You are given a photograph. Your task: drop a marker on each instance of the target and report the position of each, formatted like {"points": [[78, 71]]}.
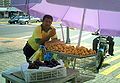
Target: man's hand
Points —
{"points": [[52, 32]]}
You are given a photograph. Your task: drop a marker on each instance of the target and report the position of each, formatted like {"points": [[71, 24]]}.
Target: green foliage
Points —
{"points": [[6, 2]]}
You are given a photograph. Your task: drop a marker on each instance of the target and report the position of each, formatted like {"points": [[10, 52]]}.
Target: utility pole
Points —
{"points": [[27, 8]]}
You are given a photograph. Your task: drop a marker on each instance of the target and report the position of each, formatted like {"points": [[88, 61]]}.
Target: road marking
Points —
{"points": [[3, 22], [118, 76], [112, 59], [8, 38], [60, 29], [110, 69], [24, 37], [86, 37], [83, 38], [76, 36]]}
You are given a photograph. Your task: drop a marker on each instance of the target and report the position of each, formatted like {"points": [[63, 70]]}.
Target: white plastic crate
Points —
{"points": [[43, 73]]}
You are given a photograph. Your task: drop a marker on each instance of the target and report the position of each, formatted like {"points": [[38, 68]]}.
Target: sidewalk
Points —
{"points": [[11, 56], [4, 20]]}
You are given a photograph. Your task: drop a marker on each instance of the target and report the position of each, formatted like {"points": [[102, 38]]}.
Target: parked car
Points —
{"points": [[15, 19], [13, 16], [29, 19]]}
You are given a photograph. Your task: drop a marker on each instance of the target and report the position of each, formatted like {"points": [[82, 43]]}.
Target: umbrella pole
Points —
{"points": [[68, 38], [27, 8], [80, 34], [62, 33], [81, 29]]}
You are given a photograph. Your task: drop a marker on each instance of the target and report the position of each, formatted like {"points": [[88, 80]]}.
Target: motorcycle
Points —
{"points": [[102, 50]]}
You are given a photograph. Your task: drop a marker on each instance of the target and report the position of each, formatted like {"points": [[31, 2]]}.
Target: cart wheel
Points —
{"points": [[99, 59]]}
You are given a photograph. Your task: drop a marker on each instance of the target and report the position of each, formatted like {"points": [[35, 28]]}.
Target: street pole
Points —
{"points": [[27, 8], [68, 37]]}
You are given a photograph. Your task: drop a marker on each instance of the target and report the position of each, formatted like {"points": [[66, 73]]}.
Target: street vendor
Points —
{"points": [[41, 34]]}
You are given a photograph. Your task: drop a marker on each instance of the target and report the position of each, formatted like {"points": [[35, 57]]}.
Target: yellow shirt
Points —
{"points": [[38, 33]]}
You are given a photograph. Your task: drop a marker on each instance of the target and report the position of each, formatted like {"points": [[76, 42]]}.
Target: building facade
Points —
{"points": [[7, 11]]}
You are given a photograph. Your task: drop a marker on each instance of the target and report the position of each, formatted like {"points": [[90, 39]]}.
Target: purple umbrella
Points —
{"points": [[59, 11], [43, 8], [75, 15], [64, 12], [24, 5], [85, 19], [107, 21], [112, 5]]}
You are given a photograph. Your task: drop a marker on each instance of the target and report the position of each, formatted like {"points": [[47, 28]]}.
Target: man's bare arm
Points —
{"points": [[42, 41]]}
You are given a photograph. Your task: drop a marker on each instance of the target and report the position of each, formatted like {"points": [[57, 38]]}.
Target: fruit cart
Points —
{"points": [[73, 53], [63, 55]]}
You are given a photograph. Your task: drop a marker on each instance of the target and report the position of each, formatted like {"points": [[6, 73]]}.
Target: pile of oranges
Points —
{"points": [[60, 46]]}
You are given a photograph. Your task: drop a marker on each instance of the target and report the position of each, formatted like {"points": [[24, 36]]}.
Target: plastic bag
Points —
{"points": [[38, 55]]}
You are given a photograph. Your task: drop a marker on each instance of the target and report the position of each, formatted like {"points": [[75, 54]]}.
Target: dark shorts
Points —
{"points": [[28, 50]]}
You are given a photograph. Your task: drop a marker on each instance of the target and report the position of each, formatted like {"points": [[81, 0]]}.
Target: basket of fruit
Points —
{"points": [[43, 73], [61, 48]]}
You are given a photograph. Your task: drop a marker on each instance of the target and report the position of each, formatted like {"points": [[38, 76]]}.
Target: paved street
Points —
{"points": [[11, 56]]}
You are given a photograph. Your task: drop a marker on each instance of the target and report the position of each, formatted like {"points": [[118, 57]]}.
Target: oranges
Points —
{"points": [[60, 46]]}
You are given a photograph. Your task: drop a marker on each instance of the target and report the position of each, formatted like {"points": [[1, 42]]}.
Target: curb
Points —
{"points": [[3, 22]]}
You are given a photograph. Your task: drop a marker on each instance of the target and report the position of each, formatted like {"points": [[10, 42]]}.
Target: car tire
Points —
{"points": [[10, 23], [37, 21], [15, 22], [26, 22], [20, 23]]}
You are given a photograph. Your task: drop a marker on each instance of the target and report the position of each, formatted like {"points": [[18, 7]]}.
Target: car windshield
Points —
{"points": [[26, 17], [18, 17]]}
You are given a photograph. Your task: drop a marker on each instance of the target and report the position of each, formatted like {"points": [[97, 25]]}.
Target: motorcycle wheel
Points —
{"points": [[99, 59]]}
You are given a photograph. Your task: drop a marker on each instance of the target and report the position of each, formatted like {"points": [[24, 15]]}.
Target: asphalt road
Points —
{"points": [[18, 31], [25, 31], [15, 31]]}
